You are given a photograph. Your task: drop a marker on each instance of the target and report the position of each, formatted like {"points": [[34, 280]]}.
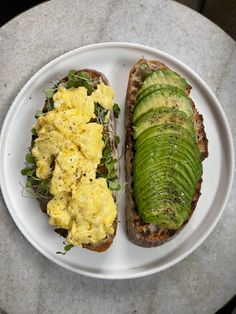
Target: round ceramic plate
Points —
{"points": [[123, 259]]}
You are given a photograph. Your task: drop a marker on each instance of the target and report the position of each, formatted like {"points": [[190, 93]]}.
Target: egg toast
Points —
{"points": [[165, 146], [72, 164]]}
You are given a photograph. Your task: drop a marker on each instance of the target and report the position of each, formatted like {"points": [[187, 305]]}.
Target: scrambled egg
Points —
{"points": [[88, 215], [104, 95], [68, 150]]}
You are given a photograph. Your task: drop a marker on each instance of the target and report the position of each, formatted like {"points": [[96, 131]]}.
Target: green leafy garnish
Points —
{"points": [[84, 75], [110, 163], [117, 139], [114, 185], [41, 187], [49, 92], [112, 174], [33, 131], [49, 104], [27, 172], [100, 113], [29, 158], [116, 110], [38, 114], [66, 249], [82, 78], [107, 166]]}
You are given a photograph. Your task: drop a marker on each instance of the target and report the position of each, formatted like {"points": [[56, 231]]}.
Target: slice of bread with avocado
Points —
{"points": [[165, 146]]}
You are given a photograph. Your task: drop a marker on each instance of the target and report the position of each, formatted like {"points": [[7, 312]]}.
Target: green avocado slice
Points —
{"points": [[173, 165], [171, 97], [169, 141], [173, 186], [153, 151], [148, 91], [175, 132], [166, 213], [164, 76], [172, 194], [193, 167], [156, 117]]}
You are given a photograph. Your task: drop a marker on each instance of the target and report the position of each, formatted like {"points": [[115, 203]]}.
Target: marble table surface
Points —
{"points": [[202, 282]]}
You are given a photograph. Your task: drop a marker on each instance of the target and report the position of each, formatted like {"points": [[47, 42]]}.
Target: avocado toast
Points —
{"points": [[165, 146], [72, 163]]}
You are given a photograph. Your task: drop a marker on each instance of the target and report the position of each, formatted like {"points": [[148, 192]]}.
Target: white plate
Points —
{"points": [[123, 259]]}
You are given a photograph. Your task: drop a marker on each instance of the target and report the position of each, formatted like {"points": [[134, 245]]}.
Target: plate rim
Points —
{"points": [[136, 273]]}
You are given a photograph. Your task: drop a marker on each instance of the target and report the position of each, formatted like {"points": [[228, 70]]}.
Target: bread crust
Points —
{"points": [[141, 233], [110, 127]]}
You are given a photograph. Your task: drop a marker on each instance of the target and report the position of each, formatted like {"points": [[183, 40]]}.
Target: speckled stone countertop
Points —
{"points": [[202, 282]]}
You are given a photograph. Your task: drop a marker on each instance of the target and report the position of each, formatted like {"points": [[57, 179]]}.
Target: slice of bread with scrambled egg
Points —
{"points": [[72, 164]]}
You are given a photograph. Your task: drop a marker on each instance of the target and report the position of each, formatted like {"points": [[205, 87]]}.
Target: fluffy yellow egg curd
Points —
{"points": [[68, 149]]}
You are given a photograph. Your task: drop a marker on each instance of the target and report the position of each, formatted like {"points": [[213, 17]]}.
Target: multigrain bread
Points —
{"points": [[139, 232], [110, 128]]}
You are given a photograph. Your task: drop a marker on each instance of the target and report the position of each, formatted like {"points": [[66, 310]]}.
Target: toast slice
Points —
{"points": [[110, 128], [141, 233]]}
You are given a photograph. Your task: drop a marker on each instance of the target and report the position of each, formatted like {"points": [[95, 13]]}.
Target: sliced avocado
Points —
{"points": [[153, 149], [164, 76], [158, 131], [142, 185], [150, 197], [166, 213], [172, 164], [148, 200], [162, 192], [156, 117], [148, 91], [156, 147], [165, 154], [171, 97], [147, 183], [166, 166], [145, 157], [178, 158], [165, 146], [173, 186], [154, 180], [170, 139]]}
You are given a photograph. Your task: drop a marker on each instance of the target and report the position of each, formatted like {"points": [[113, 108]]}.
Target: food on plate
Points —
{"points": [[72, 164], [165, 146]]}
